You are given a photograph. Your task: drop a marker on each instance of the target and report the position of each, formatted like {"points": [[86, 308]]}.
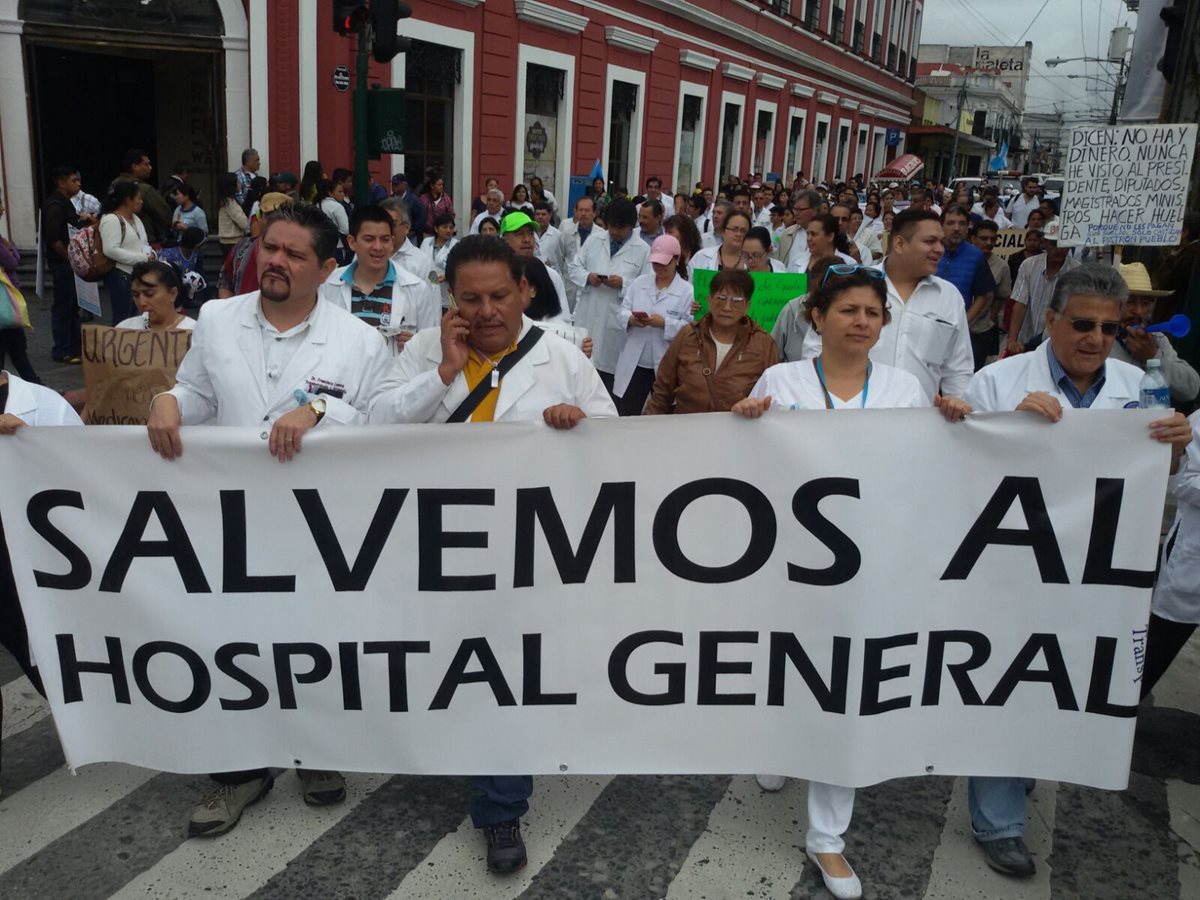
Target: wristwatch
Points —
{"points": [[317, 404]]}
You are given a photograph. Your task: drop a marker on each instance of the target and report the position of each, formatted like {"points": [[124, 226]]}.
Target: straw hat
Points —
{"points": [[1137, 279]]}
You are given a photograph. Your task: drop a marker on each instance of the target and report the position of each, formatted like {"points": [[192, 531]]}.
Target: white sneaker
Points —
{"points": [[771, 783], [846, 887]]}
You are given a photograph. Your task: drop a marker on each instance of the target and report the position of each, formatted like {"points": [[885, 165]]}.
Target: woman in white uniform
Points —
{"points": [[848, 309], [21, 404], [729, 254], [654, 310], [156, 287]]}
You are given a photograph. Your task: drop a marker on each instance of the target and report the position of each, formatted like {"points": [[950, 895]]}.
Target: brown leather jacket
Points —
{"points": [[686, 382]]}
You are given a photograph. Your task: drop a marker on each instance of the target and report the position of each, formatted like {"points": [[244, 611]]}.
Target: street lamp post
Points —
{"points": [[1118, 88]]}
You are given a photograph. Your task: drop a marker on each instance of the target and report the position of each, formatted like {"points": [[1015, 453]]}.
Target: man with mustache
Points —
{"points": [[280, 360]]}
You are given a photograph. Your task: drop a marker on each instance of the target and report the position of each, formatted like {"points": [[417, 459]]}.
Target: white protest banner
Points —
{"points": [[688, 594], [1126, 185]]}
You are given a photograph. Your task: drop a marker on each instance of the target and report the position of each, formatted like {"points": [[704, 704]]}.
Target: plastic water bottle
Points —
{"points": [[1154, 392]]}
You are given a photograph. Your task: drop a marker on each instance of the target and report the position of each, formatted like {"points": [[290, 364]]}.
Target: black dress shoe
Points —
{"points": [[505, 847], [1009, 856]]}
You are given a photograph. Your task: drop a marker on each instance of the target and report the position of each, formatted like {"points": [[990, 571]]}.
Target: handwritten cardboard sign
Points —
{"points": [[123, 369]]}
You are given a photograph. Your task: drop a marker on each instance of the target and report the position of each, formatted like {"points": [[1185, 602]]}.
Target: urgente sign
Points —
{"points": [[699, 618]]}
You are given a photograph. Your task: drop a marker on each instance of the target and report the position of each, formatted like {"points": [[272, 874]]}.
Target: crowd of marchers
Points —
{"points": [[331, 313]]}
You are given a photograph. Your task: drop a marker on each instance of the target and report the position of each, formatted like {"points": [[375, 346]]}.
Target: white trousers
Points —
{"points": [[830, 807]]}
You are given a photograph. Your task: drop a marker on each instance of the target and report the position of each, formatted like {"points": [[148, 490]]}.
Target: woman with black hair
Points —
{"points": [[125, 243], [313, 172], [849, 309], [437, 247], [231, 218], [188, 213], [157, 292], [544, 305], [684, 230]]}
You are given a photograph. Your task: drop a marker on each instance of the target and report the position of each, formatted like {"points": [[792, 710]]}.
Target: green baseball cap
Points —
{"points": [[515, 221]]}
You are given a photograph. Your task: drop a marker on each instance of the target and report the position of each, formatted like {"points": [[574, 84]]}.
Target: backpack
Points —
{"points": [[85, 251]]}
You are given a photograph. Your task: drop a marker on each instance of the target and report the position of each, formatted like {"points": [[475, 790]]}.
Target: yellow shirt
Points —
{"points": [[478, 368]]}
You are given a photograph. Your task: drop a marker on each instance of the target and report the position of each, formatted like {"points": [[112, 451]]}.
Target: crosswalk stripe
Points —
{"points": [[108, 850], [753, 845], [370, 851], [23, 706], [269, 835], [57, 804], [959, 868], [633, 839], [1183, 802], [459, 859], [29, 755]]}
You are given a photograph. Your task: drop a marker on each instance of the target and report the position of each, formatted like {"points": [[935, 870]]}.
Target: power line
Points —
{"points": [[988, 26]]}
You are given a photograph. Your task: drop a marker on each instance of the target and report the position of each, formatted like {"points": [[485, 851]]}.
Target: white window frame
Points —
{"points": [[857, 163], [565, 63], [848, 124], [914, 37], [878, 149], [691, 89], [769, 156], [735, 164], [630, 76], [817, 169], [464, 105], [796, 112]]}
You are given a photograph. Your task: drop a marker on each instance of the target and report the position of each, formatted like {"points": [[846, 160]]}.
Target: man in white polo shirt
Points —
{"points": [[928, 334]]}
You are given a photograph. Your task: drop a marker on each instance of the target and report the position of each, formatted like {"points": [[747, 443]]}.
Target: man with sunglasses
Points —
{"points": [[1070, 370]]}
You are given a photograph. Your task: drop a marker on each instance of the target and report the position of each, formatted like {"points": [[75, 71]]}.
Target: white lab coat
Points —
{"points": [[413, 259], [1177, 593], [553, 372], [547, 246], [674, 304], [414, 302], [1002, 386], [795, 385], [568, 250], [223, 377], [596, 307], [37, 405]]}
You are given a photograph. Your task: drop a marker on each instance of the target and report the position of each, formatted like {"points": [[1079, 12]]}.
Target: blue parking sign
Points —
{"points": [[893, 137]]}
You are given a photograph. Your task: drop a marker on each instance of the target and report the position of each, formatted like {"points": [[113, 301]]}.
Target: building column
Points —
{"points": [[236, 43], [16, 147], [260, 112]]}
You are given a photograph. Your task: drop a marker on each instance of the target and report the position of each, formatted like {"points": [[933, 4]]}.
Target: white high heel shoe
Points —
{"points": [[847, 887]]}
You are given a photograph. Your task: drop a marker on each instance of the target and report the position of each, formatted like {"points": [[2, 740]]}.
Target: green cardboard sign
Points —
{"points": [[772, 291]]}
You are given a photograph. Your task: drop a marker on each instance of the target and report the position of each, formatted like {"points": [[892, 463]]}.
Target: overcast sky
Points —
{"points": [[1064, 28]]}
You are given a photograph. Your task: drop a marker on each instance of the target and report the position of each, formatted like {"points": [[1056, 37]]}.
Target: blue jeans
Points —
{"points": [[997, 807], [498, 798], [64, 313], [120, 295]]}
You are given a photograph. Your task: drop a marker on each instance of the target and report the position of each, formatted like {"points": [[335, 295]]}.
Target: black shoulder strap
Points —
{"points": [[473, 399]]}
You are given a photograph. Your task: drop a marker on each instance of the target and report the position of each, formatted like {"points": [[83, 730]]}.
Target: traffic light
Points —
{"points": [[385, 20], [347, 14]]}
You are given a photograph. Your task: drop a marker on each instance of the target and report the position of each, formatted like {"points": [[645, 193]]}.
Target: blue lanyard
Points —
{"points": [[828, 399]]}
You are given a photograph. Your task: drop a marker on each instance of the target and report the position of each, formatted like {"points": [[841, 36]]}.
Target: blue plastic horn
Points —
{"points": [[1176, 326]]}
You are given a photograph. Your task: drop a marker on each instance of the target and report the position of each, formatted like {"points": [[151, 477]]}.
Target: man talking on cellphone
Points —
{"points": [[489, 363]]}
